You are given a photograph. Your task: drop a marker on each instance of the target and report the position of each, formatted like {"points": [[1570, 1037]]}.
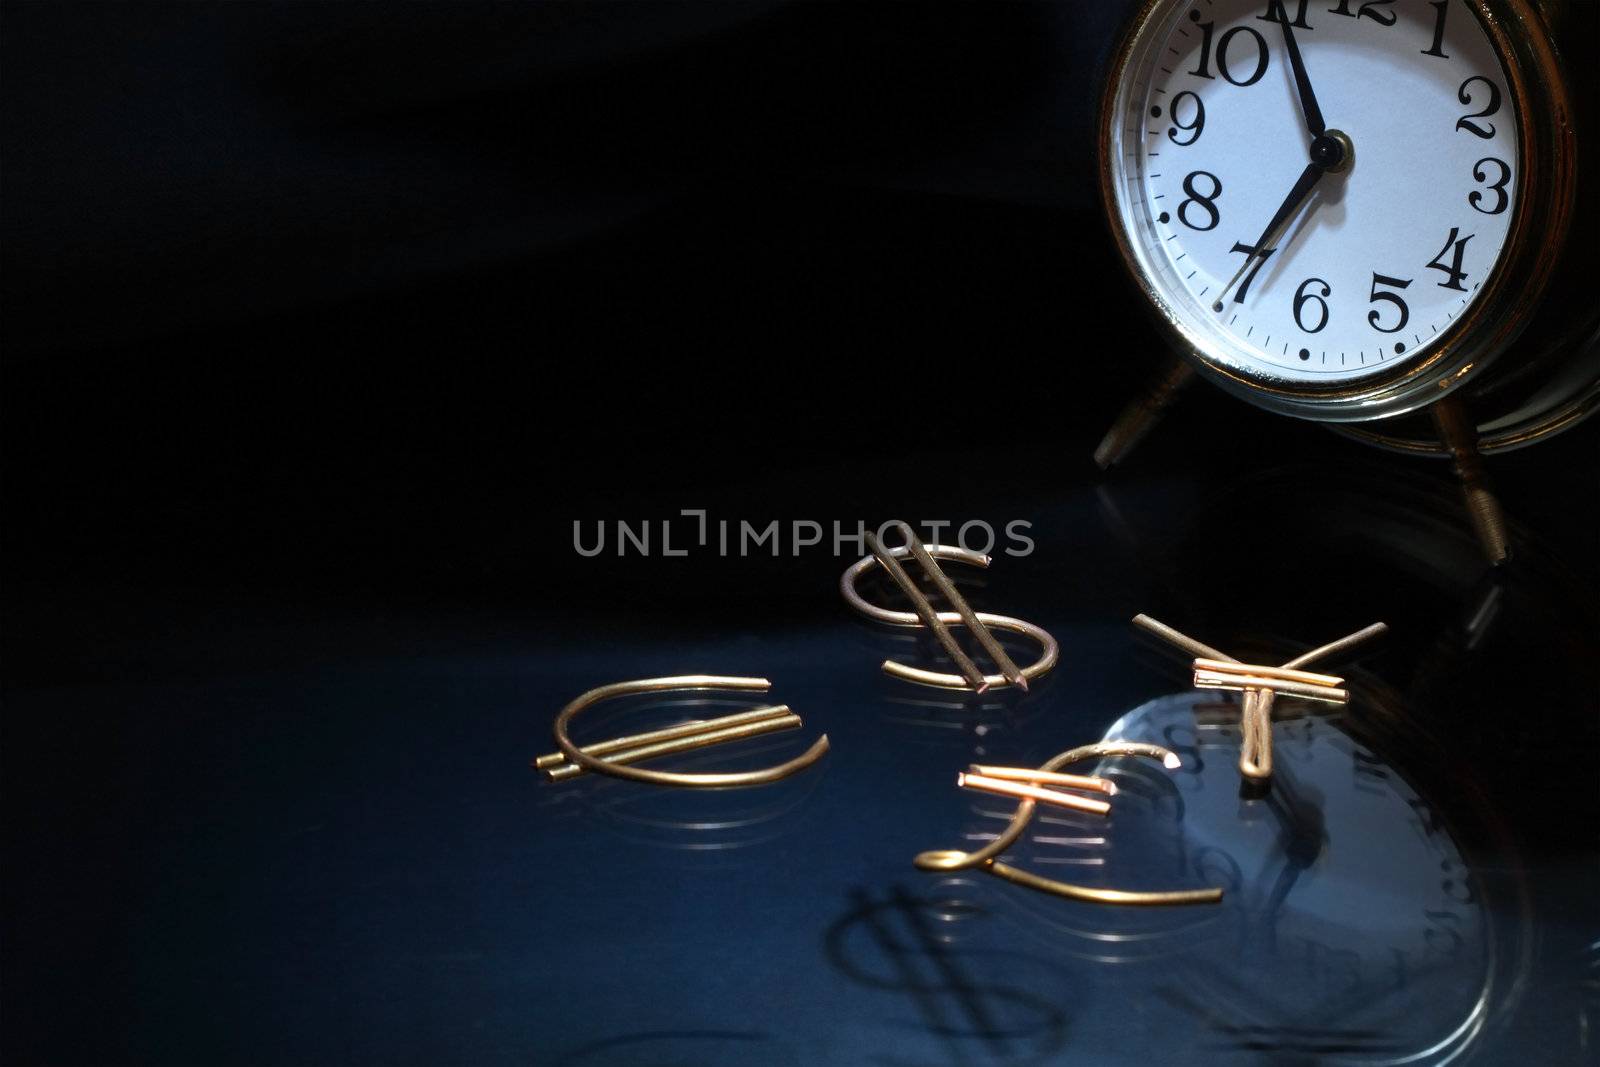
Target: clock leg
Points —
{"points": [[1460, 436], [1138, 417]]}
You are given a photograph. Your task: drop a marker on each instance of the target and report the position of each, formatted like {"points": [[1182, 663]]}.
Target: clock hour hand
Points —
{"points": [[1308, 97], [1291, 203]]}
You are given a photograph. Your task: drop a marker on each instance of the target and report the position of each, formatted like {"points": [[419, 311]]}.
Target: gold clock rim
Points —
{"points": [[1519, 435], [1547, 157]]}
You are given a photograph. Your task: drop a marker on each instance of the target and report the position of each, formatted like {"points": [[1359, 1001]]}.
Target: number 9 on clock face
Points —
{"points": [[1317, 194]]}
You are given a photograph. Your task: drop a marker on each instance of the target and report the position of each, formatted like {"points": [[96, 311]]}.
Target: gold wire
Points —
{"points": [[1255, 726], [577, 756], [1030, 774], [1102, 896], [1263, 714], [1241, 682], [985, 857], [1182, 640], [1049, 650], [1260, 685], [941, 581], [772, 724], [1334, 647], [929, 616], [1002, 787], [1222, 666], [686, 729]]}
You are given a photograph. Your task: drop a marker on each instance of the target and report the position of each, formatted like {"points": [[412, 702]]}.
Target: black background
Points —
{"points": [[324, 323], [309, 296]]}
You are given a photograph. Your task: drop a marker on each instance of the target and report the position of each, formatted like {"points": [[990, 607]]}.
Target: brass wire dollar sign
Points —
{"points": [[981, 623]]}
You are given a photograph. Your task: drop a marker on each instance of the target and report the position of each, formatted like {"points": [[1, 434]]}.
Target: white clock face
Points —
{"points": [[1384, 238]]}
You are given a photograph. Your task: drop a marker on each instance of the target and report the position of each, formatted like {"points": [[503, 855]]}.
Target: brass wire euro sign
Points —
{"points": [[1028, 785], [614, 757], [1261, 685], [939, 622]]}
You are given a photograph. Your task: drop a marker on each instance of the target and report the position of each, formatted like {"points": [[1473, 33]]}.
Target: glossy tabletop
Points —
{"points": [[296, 833]]}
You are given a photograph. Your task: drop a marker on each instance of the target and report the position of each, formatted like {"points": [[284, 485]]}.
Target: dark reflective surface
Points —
{"points": [[318, 839], [322, 325]]}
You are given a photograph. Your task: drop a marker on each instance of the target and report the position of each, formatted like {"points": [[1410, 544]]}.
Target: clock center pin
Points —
{"points": [[1333, 151]]}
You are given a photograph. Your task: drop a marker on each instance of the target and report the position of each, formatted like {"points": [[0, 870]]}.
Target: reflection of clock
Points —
{"points": [[1353, 926], [1348, 211]]}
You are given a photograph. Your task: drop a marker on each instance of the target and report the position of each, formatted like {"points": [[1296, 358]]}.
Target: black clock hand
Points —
{"points": [[1302, 189], [1308, 98]]}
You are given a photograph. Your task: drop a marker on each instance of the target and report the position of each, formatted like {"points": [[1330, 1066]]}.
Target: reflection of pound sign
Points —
{"points": [[978, 622]]}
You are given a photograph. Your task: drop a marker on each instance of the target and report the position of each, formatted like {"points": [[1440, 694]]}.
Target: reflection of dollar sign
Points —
{"points": [[998, 1002], [979, 622]]}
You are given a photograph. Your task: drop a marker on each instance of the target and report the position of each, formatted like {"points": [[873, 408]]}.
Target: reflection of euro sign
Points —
{"points": [[979, 622]]}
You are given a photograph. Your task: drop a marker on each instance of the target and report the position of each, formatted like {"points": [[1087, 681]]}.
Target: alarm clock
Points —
{"points": [[1349, 211]]}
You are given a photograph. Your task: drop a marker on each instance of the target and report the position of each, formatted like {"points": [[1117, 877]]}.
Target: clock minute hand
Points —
{"points": [[1302, 189], [1308, 97]]}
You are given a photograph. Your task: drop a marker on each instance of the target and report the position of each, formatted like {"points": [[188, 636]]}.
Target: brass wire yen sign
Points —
{"points": [[1261, 685]]}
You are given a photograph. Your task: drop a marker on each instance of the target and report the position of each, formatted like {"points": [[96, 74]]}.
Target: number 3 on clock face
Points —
{"points": [[1314, 192]]}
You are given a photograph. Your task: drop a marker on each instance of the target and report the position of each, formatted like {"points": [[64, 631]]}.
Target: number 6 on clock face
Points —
{"points": [[1318, 194]]}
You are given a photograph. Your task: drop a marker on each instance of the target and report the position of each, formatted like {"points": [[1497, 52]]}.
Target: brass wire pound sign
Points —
{"points": [[615, 756], [1029, 786], [979, 622], [1261, 685]]}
